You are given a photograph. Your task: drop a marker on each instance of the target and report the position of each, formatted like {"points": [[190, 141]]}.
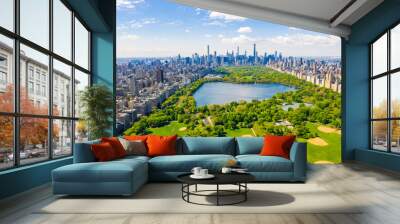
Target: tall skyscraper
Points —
{"points": [[160, 76], [208, 55], [254, 53]]}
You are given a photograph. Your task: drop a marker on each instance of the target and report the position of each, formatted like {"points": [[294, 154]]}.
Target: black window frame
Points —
{"points": [[388, 74], [16, 114]]}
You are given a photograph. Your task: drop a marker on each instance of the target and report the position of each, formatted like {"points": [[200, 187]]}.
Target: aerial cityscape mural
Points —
{"points": [[194, 72]]}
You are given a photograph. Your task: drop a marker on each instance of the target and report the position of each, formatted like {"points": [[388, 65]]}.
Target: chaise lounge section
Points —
{"points": [[125, 176], [88, 177]]}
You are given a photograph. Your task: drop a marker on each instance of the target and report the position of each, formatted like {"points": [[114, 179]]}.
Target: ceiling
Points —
{"points": [[326, 16]]}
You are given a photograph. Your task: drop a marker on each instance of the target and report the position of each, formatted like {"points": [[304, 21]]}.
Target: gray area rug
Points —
{"points": [[166, 198]]}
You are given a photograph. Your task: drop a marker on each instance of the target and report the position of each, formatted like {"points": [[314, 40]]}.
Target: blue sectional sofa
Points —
{"points": [[125, 176]]}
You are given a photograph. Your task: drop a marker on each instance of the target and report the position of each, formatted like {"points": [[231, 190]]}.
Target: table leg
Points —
{"points": [[217, 194], [188, 190], [245, 193], [195, 188], [182, 190]]}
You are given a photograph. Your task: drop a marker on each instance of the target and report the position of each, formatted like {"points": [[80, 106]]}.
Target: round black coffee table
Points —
{"points": [[238, 179]]}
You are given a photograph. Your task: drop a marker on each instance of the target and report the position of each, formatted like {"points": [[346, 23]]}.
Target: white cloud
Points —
{"points": [[225, 17], [293, 28], [241, 39], [122, 27], [149, 21], [198, 11], [187, 31], [220, 35], [215, 23], [305, 40], [129, 37], [207, 35], [175, 23], [128, 4], [245, 29], [136, 24]]}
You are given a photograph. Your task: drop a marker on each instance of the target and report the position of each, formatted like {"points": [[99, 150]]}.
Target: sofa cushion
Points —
{"points": [[116, 145], [161, 145], [134, 147], [277, 145], [103, 152], [257, 163], [207, 145], [249, 145], [83, 152], [136, 137], [112, 171], [185, 163]]}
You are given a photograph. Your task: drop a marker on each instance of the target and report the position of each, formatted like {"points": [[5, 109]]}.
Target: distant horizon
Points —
{"points": [[159, 29], [174, 56]]}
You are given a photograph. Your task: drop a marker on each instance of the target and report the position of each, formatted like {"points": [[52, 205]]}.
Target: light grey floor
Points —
{"points": [[377, 188]]}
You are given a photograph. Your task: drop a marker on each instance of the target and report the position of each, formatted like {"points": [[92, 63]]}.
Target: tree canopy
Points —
{"points": [[313, 104]]}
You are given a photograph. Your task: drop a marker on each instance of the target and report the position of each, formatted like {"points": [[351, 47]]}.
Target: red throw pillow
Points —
{"points": [[277, 145], [103, 152], [116, 145], [161, 145]]}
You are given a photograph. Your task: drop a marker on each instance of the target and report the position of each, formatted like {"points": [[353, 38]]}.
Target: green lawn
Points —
{"points": [[239, 132], [331, 152], [170, 129]]}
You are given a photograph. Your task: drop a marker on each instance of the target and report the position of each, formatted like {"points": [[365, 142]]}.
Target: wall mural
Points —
{"points": [[215, 74]]}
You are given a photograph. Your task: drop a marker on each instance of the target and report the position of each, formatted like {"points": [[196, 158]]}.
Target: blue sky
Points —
{"points": [[158, 28]]}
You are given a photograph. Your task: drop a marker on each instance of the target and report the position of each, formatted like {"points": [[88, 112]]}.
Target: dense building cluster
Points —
{"points": [[325, 72], [143, 84]]}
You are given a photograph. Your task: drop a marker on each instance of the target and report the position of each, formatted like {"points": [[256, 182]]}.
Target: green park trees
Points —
{"points": [[307, 104]]}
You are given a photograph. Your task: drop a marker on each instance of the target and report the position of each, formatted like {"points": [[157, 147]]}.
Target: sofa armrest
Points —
{"points": [[298, 155], [83, 152]]}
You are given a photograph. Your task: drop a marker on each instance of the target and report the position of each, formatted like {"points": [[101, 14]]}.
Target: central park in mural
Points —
{"points": [[250, 101]]}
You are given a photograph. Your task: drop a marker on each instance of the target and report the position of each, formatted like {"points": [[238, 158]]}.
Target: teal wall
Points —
{"points": [[356, 84], [102, 59], [99, 16], [104, 53], [103, 64]]}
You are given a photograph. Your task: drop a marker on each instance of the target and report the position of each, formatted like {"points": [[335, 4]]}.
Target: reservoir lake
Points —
{"points": [[224, 92]]}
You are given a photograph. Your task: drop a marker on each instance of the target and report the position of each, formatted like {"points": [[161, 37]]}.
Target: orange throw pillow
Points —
{"points": [[161, 145], [277, 145], [116, 145], [103, 152]]}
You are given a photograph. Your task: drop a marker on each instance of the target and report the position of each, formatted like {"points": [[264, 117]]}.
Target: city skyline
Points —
{"points": [[208, 50], [159, 28]]}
